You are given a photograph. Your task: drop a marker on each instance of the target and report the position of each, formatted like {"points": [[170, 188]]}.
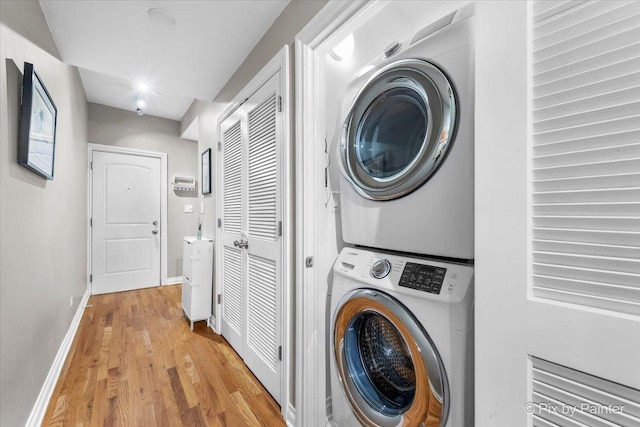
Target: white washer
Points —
{"points": [[401, 334], [406, 145]]}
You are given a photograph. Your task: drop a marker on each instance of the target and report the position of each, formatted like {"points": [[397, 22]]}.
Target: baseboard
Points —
{"points": [[290, 415], [40, 407], [173, 280]]}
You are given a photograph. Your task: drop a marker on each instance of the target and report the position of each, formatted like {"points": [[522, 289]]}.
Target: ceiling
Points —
{"points": [[117, 46]]}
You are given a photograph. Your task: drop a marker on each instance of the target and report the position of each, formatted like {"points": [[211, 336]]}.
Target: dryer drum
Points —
{"points": [[389, 368], [398, 130]]}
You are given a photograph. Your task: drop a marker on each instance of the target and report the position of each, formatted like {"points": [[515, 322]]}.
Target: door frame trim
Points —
{"points": [[332, 24], [279, 62], [91, 147]]}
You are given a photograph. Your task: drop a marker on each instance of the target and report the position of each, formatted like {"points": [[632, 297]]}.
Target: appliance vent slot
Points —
{"points": [[566, 397], [232, 162], [432, 28], [586, 153]]}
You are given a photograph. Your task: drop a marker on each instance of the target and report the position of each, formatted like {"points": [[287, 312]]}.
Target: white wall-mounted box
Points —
{"points": [[184, 183]]}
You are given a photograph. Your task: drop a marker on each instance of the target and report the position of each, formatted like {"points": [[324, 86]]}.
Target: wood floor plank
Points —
{"points": [[135, 362]]}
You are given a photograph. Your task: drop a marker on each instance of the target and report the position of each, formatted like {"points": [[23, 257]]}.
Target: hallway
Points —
{"points": [[134, 362]]}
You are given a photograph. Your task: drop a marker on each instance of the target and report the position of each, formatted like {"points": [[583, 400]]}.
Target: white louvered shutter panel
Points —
{"points": [[233, 288], [586, 153], [566, 397], [263, 170], [232, 167], [264, 288], [231, 256], [262, 213]]}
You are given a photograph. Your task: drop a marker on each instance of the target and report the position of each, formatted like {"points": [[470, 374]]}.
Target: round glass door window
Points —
{"points": [[376, 352], [398, 130], [389, 368]]}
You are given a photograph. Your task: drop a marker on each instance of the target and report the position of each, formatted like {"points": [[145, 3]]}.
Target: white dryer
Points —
{"points": [[401, 334], [406, 145]]}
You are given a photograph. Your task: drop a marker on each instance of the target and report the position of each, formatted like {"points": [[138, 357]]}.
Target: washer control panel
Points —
{"points": [[381, 269], [422, 277]]}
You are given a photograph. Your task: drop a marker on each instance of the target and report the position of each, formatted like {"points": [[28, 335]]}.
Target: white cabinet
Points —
{"points": [[197, 285]]}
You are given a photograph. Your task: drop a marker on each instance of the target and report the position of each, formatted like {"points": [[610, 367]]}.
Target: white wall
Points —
{"points": [[42, 223], [112, 126], [501, 213]]}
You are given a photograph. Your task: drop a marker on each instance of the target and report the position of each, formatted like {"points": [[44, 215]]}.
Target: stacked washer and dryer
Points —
{"points": [[402, 294]]}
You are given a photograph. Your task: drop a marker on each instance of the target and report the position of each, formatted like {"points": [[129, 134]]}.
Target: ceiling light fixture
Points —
{"points": [[161, 17], [344, 49], [143, 87]]}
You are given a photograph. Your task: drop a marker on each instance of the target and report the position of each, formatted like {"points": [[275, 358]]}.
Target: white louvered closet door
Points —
{"points": [[251, 233], [264, 212], [233, 220], [584, 310]]}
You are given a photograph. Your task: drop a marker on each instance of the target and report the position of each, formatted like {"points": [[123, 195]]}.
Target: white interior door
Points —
{"points": [[557, 268], [125, 239], [233, 220], [251, 235], [264, 251]]}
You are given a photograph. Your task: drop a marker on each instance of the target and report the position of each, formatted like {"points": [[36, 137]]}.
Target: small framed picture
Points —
{"points": [[37, 142], [206, 172]]}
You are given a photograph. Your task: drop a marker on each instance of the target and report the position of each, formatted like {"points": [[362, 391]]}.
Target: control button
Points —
{"points": [[380, 269]]}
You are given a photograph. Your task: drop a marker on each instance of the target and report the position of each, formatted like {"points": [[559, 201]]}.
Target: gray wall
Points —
{"points": [[283, 31], [112, 126], [42, 223]]}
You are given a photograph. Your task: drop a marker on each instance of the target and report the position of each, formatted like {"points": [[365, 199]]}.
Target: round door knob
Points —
{"points": [[155, 232], [380, 269], [236, 243]]}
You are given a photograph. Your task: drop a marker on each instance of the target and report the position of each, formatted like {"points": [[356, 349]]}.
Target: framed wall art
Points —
{"points": [[206, 172], [37, 140]]}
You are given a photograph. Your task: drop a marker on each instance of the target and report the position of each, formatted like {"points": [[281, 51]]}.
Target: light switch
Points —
{"points": [[202, 207], [188, 208]]}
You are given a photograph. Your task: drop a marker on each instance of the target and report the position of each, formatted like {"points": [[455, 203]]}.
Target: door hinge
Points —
{"points": [[280, 353], [91, 278], [90, 222], [280, 104], [219, 146], [91, 165], [279, 228], [308, 262], [219, 298], [219, 222]]}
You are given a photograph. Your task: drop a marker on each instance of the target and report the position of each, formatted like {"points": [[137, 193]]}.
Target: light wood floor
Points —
{"points": [[135, 362]]}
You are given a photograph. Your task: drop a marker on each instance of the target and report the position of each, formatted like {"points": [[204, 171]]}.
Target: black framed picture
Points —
{"points": [[37, 141], [206, 171]]}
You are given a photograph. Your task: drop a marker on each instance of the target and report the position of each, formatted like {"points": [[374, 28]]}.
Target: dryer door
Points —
{"points": [[389, 368], [398, 130]]}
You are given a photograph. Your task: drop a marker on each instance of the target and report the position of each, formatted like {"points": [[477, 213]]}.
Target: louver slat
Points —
{"points": [[261, 328], [233, 294], [586, 158], [567, 397], [232, 158], [263, 170]]}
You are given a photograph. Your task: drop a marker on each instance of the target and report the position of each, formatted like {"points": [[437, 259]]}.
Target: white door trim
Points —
{"points": [[314, 41], [280, 62], [91, 147]]}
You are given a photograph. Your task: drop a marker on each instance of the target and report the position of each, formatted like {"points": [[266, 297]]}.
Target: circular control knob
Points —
{"points": [[380, 268]]}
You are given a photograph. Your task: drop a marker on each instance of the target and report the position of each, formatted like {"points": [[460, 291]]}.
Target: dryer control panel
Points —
{"points": [[422, 277]]}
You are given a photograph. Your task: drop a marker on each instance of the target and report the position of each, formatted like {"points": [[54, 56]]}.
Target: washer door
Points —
{"points": [[389, 368], [398, 130]]}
